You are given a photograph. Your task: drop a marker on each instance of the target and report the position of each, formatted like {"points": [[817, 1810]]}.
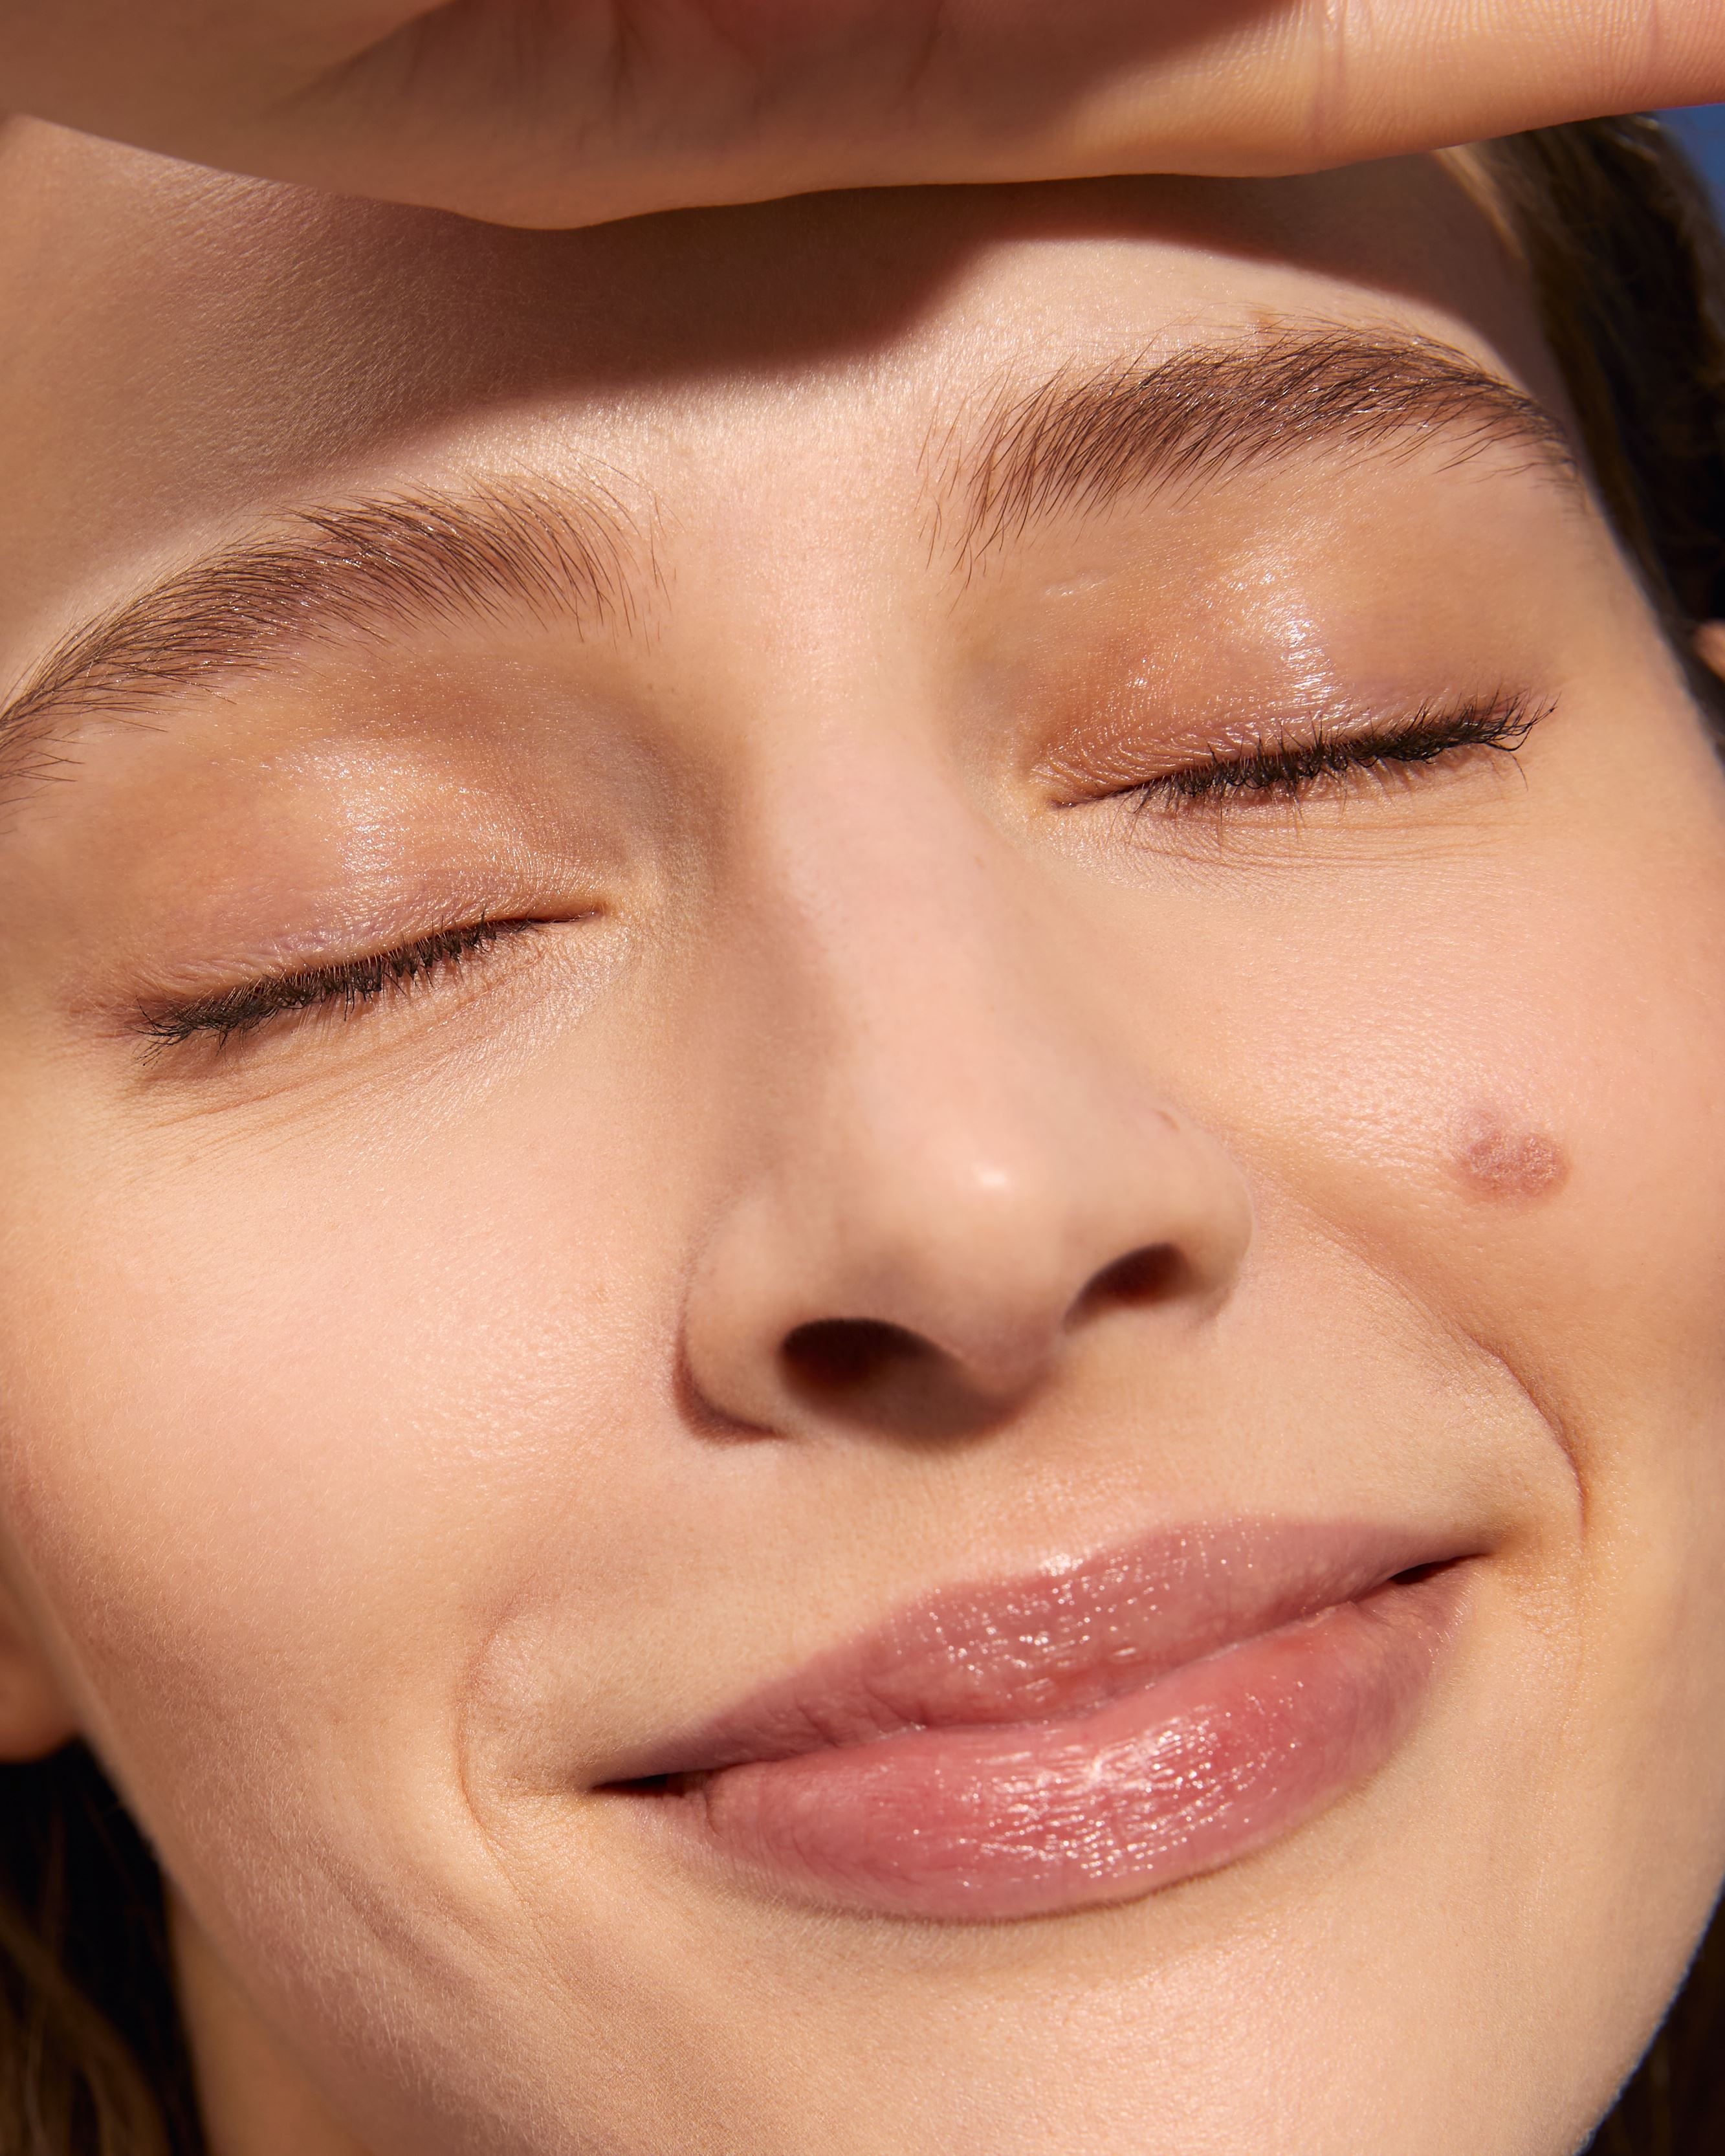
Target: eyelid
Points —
{"points": [[348, 986], [1285, 766]]}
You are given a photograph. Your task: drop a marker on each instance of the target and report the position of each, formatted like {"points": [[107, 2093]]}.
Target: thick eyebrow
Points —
{"points": [[359, 569], [1083, 439]]}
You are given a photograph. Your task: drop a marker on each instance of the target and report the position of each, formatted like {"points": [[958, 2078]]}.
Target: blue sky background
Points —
{"points": [[1702, 128]]}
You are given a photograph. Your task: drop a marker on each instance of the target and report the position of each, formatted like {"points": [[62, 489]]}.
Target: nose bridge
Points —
{"points": [[912, 949], [959, 1102]]}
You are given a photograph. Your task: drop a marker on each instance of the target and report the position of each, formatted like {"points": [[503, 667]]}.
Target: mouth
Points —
{"points": [[1081, 1735]]}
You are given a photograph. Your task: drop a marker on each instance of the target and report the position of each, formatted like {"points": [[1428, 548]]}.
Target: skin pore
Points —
{"points": [[584, 807]]}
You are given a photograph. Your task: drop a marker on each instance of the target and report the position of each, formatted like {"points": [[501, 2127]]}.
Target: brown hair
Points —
{"points": [[1629, 273]]}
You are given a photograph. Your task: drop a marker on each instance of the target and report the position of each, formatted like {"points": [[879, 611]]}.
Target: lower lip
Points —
{"points": [[1185, 1774]]}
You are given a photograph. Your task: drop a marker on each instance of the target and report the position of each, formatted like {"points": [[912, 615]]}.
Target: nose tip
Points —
{"points": [[926, 1292]]}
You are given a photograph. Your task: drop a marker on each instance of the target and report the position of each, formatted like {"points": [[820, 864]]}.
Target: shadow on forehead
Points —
{"points": [[148, 281], [185, 351], [201, 369]]}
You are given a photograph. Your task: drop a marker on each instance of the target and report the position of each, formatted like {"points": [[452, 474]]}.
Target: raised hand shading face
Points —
{"points": [[861, 1271]]}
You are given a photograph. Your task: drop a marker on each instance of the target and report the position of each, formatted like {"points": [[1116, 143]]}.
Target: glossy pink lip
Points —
{"points": [[1078, 1736]]}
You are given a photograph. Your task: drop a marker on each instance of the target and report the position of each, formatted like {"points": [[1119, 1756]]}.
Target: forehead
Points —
{"points": [[182, 350]]}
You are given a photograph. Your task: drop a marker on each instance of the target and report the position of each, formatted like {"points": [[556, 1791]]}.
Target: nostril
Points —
{"points": [[1155, 1274], [864, 1371], [838, 1355]]}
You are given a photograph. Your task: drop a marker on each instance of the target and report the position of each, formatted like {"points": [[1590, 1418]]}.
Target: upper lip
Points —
{"points": [[1057, 1641]]}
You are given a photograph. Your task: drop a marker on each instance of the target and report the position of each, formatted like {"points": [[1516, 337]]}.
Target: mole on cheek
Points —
{"points": [[1496, 1159]]}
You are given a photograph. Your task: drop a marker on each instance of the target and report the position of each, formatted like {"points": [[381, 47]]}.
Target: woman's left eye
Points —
{"points": [[1337, 758], [344, 988]]}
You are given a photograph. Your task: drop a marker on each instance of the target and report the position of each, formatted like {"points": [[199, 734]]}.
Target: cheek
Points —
{"points": [[1487, 1058], [1508, 1105], [288, 1426], [289, 1429]]}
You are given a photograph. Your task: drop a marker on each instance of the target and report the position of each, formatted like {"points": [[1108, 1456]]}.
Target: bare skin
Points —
{"points": [[400, 1429], [562, 112]]}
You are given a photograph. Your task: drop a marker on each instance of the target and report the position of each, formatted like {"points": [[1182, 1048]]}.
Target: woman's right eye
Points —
{"points": [[345, 989]]}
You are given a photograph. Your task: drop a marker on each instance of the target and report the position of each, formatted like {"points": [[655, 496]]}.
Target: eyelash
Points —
{"points": [[343, 990], [1290, 772], [1285, 772]]}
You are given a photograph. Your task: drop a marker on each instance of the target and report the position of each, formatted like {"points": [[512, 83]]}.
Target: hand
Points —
{"points": [[557, 112]]}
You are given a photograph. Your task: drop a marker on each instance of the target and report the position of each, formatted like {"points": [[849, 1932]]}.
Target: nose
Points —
{"points": [[955, 1169]]}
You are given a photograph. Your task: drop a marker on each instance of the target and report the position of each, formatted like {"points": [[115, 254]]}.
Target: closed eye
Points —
{"points": [[343, 989], [1335, 757]]}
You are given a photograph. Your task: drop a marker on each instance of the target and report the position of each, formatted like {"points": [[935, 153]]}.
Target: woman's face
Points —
{"points": [[863, 1226]]}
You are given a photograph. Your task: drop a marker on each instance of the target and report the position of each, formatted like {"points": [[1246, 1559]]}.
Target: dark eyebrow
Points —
{"points": [[356, 569], [1083, 437]]}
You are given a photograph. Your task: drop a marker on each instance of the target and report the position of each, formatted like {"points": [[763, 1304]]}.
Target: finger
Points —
{"points": [[567, 111]]}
